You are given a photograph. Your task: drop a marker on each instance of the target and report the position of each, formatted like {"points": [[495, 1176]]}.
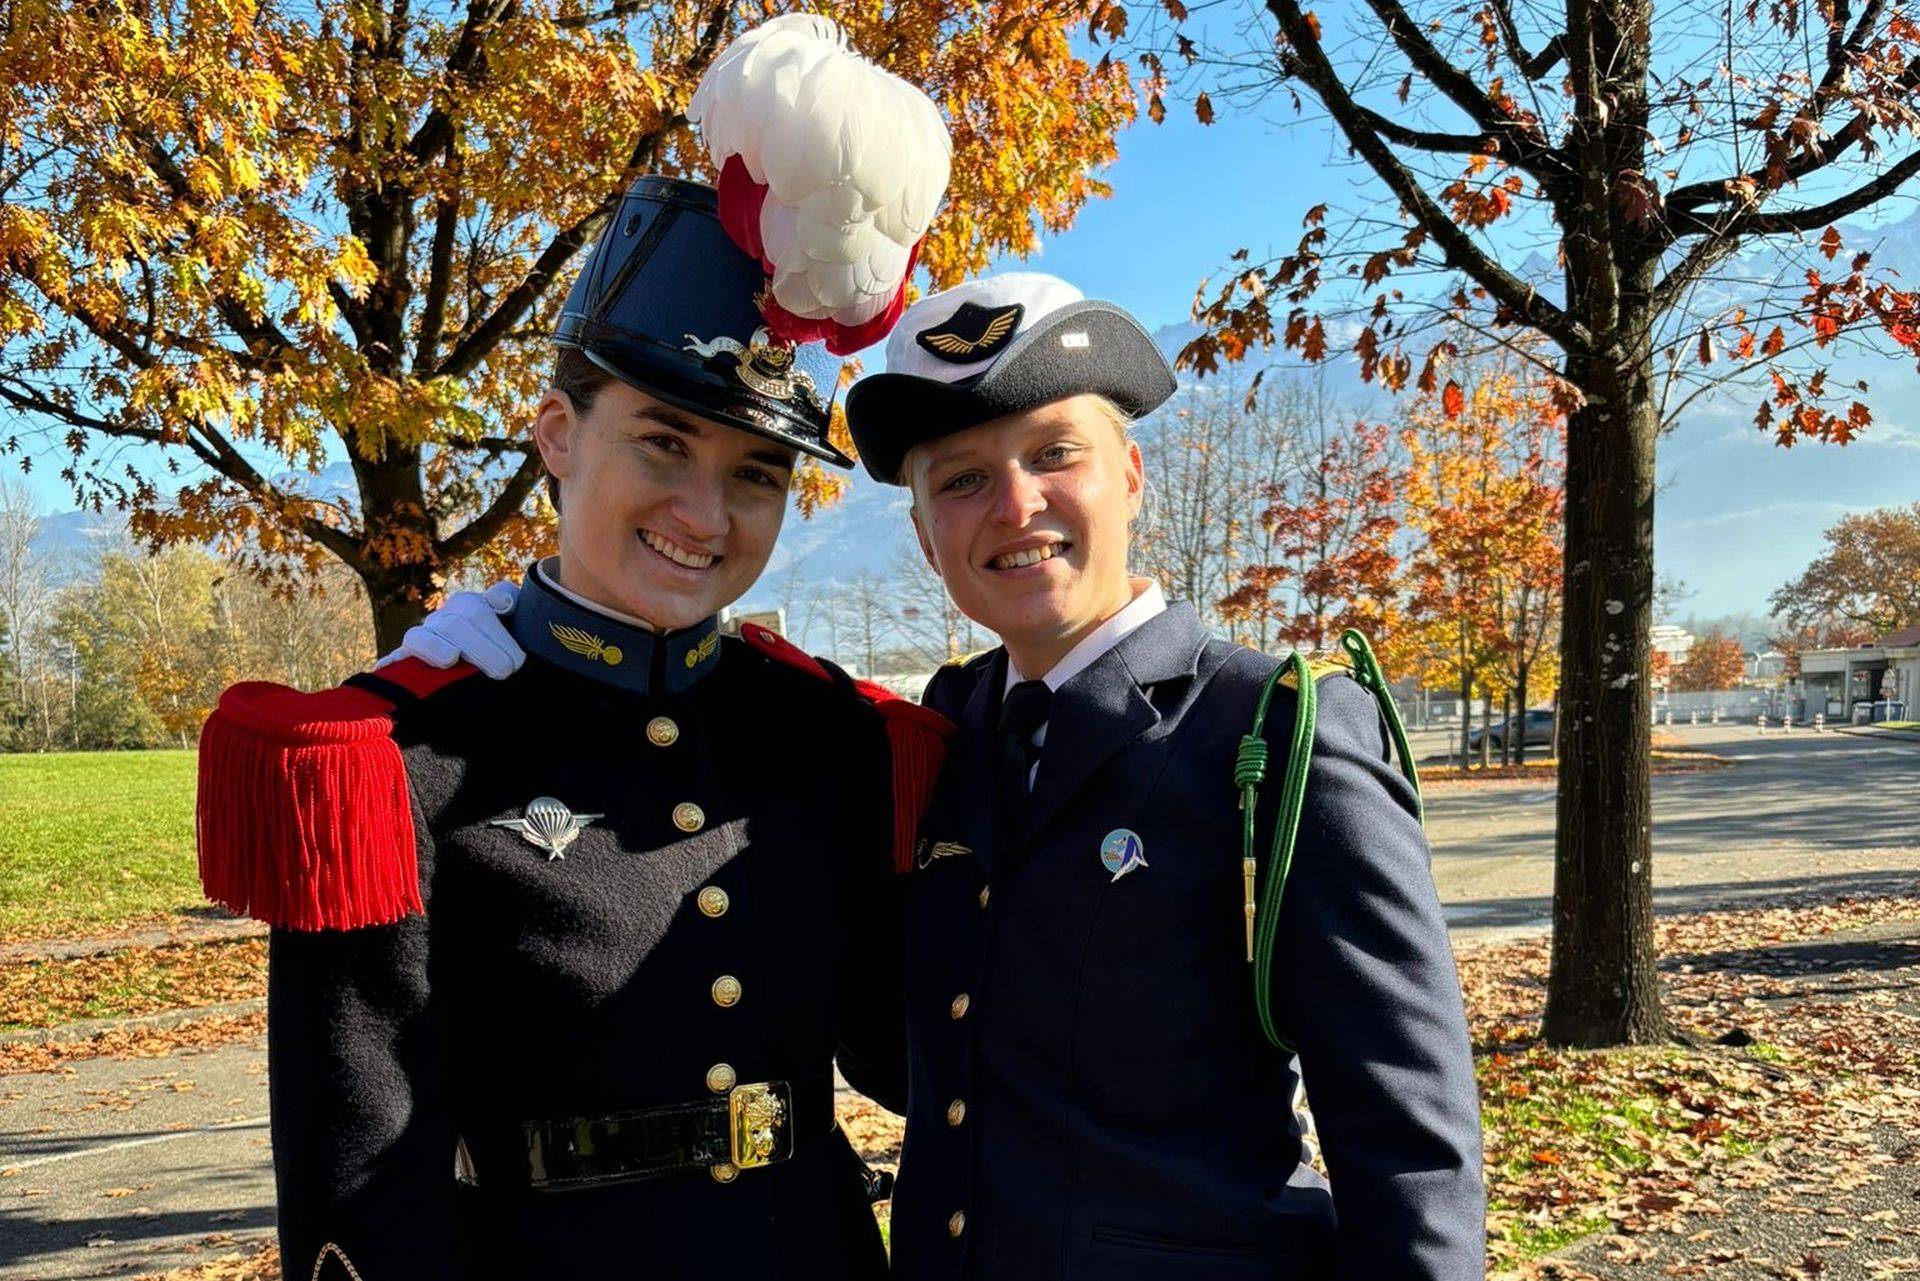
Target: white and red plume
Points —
{"points": [[830, 171]]}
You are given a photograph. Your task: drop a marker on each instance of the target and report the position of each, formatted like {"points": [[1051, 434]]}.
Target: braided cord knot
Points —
{"points": [[1250, 762]]}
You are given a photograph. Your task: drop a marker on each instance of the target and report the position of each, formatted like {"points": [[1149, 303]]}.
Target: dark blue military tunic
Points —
{"points": [[715, 923], [1091, 1095]]}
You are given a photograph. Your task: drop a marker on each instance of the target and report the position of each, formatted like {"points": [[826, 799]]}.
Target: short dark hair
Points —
{"points": [[581, 381]]}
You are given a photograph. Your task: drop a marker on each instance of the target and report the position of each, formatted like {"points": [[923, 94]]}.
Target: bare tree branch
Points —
{"points": [[479, 531], [1468, 144], [467, 54], [1531, 149], [1532, 65], [1309, 61], [1694, 195], [1815, 217]]}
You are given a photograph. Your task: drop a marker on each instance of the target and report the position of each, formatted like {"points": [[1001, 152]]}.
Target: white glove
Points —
{"points": [[468, 628]]}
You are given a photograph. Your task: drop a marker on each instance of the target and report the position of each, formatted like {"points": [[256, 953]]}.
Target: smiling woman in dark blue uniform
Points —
{"points": [[561, 963], [1093, 1089]]}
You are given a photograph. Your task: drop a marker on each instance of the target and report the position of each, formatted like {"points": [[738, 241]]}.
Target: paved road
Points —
{"points": [[1836, 809], [134, 1166]]}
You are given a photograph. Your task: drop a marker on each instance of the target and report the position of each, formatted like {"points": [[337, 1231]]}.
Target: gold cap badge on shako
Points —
{"points": [[548, 824]]}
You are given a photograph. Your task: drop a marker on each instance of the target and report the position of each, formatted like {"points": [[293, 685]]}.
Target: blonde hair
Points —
{"points": [[1121, 420]]}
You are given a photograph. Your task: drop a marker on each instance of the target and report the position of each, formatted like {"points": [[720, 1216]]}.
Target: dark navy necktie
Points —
{"points": [[1027, 707]]}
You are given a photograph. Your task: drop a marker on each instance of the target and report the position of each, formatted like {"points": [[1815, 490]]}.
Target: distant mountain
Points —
{"points": [[70, 544], [1737, 516]]}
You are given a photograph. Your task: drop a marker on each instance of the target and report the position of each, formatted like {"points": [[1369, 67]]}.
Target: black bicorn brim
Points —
{"points": [[748, 413], [1083, 348]]}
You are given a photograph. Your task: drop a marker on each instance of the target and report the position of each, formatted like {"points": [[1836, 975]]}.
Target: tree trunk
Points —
{"points": [[1486, 728], [1520, 701], [395, 609], [398, 564], [1603, 988], [1466, 718]]}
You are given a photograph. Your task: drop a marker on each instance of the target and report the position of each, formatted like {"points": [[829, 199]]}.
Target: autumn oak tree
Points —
{"points": [[1585, 173], [1330, 528], [1868, 576], [1485, 509], [261, 234], [1714, 661]]}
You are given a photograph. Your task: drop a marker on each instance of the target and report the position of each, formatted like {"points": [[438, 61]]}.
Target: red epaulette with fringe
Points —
{"points": [[304, 819], [918, 737]]}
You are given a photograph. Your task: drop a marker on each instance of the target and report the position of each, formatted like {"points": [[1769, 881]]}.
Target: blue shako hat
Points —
{"points": [[669, 304]]}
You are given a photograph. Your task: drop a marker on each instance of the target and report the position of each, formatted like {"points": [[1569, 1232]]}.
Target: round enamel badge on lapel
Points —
{"points": [[1122, 851]]}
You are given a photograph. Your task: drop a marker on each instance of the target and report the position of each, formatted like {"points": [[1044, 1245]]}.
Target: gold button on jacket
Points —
{"points": [[689, 817], [662, 731], [726, 990], [957, 1224], [714, 901], [960, 1004], [721, 1078], [956, 1111]]}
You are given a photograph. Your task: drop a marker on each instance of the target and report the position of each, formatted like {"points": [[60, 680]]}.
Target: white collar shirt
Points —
{"points": [[549, 571]]}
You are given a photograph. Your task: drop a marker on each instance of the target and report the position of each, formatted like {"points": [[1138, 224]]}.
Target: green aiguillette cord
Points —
{"points": [[1249, 770]]}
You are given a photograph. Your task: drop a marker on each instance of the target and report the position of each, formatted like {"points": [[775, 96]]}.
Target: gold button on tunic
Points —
{"points": [[714, 901], [721, 1077], [959, 1007], [956, 1111], [662, 732], [726, 990], [957, 1224], [689, 817], [725, 1172], [986, 892]]}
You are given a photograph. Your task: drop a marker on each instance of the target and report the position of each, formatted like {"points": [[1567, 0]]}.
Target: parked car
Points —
{"points": [[1539, 730]]}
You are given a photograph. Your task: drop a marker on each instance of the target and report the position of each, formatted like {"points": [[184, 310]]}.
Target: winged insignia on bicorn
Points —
{"points": [[955, 345]]}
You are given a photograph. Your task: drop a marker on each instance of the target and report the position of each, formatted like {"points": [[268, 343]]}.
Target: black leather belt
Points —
{"points": [[751, 1125]]}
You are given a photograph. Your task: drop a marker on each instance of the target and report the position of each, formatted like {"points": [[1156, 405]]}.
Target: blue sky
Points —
{"points": [[1737, 516]]}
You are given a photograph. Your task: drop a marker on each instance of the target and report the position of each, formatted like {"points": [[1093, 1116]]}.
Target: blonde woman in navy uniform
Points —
{"points": [[561, 964], [1101, 1080]]}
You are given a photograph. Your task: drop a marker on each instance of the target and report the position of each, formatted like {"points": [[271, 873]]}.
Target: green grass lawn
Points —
{"points": [[92, 840]]}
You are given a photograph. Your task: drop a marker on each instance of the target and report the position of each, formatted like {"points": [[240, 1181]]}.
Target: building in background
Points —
{"points": [[1674, 642], [1875, 682]]}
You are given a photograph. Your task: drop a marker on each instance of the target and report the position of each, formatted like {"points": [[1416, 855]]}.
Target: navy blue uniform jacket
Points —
{"points": [[1090, 1094], [539, 990]]}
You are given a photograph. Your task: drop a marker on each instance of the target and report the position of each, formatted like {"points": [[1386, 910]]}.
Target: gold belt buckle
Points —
{"points": [[761, 1123]]}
